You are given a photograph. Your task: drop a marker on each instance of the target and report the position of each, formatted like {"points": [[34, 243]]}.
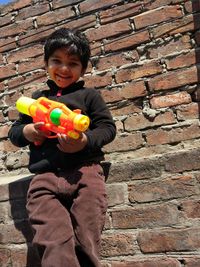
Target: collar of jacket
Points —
{"points": [[73, 87]]}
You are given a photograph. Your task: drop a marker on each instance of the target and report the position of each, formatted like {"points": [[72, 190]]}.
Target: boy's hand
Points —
{"points": [[33, 133], [69, 145]]}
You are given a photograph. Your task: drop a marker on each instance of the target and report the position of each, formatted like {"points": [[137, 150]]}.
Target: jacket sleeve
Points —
{"points": [[15, 133], [102, 127]]}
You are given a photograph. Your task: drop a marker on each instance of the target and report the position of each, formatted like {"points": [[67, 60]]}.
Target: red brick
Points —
{"points": [[7, 71], [154, 262], [125, 143], [13, 114], [15, 6], [116, 194], [100, 80], [152, 241], [182, 25], [143, 217], [13, 233], [128, 170], [166, 189], [16, 28], [133, 90], [119, 126], [165, 49], [126, 109], [95, 48], [117, 244], [34, 35], [184, 161], [126, 42], [31, 64], [161, 136], [2, 118], [116, 60], [19, 257], [23, 256], [192, 262], [22, 54], [119, 12], [138, 122], [35, 10], [96, 4], [62, 3], [130, 91], [149, 5], [7, 146], [20, 4], [4, 257], [36, 77], [188, 112], [7, 44], [183, 60], [110, 96], [162, 14], [4, 210], [12, 98], [110, 30], [174, 79], [5, 20], [1, 59], [55, 16], [191, 208], [81, 23], [4, 131], [170, 100], [132, 73], [15, 82], [2, 86]]}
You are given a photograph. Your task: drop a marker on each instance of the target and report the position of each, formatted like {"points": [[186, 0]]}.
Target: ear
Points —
{"points": [[45, 64]]}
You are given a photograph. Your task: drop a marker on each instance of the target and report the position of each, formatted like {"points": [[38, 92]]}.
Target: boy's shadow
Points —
{"points": [[17, 198], [196, 20]]}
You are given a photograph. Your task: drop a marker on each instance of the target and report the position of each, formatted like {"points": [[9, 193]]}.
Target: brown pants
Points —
{"points": [[67, 213]]}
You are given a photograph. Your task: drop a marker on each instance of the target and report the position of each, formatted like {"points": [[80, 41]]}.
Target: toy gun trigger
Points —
{"points": [[77, 111]]}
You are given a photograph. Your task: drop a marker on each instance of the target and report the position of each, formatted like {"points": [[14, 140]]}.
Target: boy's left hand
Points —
{"points": [[69, 145]]}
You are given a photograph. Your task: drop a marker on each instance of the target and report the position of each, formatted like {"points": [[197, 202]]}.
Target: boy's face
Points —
{"points": [[64, 69]]}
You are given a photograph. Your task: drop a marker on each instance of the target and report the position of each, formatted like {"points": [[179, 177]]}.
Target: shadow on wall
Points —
{"points": [[17, 195], [196, 20]]}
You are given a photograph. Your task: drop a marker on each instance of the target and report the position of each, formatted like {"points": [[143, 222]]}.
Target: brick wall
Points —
{"points": [[145, 62]]}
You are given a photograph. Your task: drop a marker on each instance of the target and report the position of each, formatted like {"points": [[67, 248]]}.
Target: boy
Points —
{"points": [[66, 200]]}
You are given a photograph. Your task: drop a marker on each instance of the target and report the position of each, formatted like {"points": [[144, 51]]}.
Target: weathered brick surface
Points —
{"points": [[169, 240], [145, 63], [149, 263], [157, 16]]}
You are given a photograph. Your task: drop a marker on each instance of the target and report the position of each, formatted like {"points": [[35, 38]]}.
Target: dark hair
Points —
{"points": [[75, 41]]}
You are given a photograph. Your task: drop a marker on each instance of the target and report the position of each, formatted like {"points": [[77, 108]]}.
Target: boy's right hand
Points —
{"points": [[33, 133]]}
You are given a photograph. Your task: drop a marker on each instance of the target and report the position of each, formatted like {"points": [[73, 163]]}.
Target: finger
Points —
{"points": [[37, 125], [62, 139]]}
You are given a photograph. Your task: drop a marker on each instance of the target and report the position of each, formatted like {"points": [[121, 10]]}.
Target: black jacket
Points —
{"points": [[102, 130]]}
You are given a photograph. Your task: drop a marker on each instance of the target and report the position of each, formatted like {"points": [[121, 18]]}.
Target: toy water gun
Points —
{"points": [[57, 117]]}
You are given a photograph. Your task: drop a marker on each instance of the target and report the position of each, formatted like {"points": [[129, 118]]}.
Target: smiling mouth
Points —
{"points": [[61, 78]]}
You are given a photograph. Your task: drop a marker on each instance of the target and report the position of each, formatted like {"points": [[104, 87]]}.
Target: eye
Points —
{"points": [[73, 63], [56, 61]]}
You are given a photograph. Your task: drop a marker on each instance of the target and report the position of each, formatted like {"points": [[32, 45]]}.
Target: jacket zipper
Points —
{"points": [[59, 93]]}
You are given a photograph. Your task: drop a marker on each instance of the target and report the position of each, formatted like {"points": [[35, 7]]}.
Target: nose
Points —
{"points": [[64, 67]]}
